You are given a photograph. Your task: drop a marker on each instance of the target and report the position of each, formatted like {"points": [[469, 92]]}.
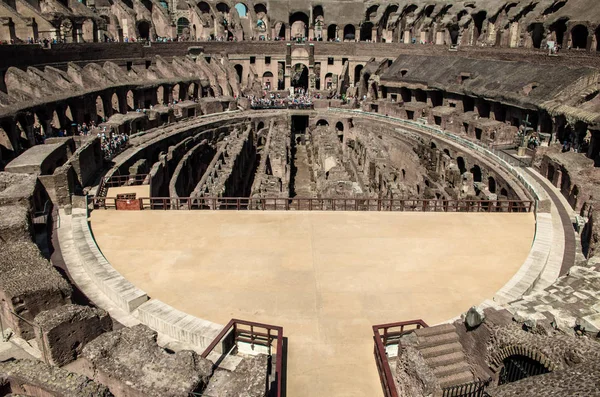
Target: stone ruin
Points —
{"points": [[28, 377], [499, 79], [63, 332], [432, 358], [130, 363]]}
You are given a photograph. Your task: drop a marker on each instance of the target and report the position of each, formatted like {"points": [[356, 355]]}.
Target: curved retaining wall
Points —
{"points": [[530, 272], [199, 333], [126, 297]]}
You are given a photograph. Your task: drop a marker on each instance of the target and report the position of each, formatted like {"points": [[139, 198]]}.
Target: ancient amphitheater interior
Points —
{"points": [[299, 198]]}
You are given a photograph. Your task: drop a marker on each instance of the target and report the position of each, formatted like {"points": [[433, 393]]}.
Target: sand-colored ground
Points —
{"points": [[326, 277]]}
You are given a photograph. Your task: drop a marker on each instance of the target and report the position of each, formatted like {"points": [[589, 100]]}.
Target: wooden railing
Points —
{"points": [[322, 204], [257, 334], [383, 336]]}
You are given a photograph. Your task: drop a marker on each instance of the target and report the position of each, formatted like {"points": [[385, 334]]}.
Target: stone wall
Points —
{"points": [[34, 378], [63, 332], [131, 364], [28, 282]]}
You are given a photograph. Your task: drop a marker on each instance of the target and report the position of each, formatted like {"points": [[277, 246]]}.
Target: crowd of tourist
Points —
{"points": [[300, 100], [112, 142]]}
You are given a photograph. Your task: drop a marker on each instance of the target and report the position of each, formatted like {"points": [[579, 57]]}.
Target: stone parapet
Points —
{"points": [[121, 292]]}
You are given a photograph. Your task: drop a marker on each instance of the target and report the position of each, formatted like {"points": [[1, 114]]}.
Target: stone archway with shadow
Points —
{"points": [[299, 79]]}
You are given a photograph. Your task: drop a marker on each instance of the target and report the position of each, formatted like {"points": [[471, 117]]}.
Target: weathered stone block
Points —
{"points": [[474, 317], [63, 332], [34, 378], [131, 364]]}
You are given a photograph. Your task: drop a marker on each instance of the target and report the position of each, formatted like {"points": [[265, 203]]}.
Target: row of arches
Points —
{"points": [[64, 117], [476, 170], [579, 37]]}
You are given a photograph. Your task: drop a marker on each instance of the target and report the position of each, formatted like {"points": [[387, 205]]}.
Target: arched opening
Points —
{"points": [[175, 92], [280, 31], [160, 95], [491, 184], [223, 8], [183, 26], [260, 10], [573, 196], [147, 4], [373, 90], [114, 101], [130, 101], [447, 152], [461, 165], [406, 94], [55, 123], [329, 81], [332, 32], [433, 145], [503, 192], [420, 95], [349, 33], [478, 20], [384, 24], [100, 114], [454, 32], [537, 34], [371, 12], [323, 122], [579, 37], [357, 70], [300, 77], [260, 126], [517, 367], [192, 90], [298, 25], [318, 13], [559, 29], [69, 116], [339, 129], [550, 174], [143, 30], [366, 31], [598, 39], [204, 7], [268, 81], [242, 10], [476, 171], [239, 69]]}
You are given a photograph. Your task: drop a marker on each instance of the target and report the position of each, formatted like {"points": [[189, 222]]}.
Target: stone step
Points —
{"points": [[445, 359], [437, 330], [440, 350], [450, 369], [456, 379], [437, 340]]}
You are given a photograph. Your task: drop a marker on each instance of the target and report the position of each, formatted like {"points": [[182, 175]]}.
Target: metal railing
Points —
{"points": [[118, 181], [384, 335], [321, 204], [34, 327], [256, 334], [472, 389], [124, 180]]}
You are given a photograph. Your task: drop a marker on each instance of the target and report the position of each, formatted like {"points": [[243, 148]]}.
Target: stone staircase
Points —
{"points": [[443, 352]]}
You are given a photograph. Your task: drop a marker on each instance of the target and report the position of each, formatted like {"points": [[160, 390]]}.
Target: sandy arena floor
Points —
{"points": [[326, 277]]}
